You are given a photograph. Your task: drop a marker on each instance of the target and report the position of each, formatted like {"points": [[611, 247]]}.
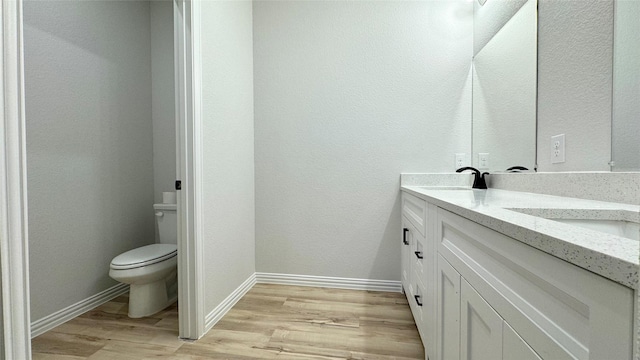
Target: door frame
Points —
{"points": [[14, 253], [14, 249], [189, 168]]}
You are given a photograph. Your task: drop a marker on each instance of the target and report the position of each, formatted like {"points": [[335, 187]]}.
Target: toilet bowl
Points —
{"points": [[151, 270]]}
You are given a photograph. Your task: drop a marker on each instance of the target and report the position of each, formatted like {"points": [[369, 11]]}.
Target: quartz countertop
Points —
{"points": [[608, 255]]}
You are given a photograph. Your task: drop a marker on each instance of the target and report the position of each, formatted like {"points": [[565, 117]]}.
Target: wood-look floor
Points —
{"points": [[269, 322]]}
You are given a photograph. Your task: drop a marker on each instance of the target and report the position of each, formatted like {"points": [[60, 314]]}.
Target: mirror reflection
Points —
{"points": [[626, 87], [504, 85]]}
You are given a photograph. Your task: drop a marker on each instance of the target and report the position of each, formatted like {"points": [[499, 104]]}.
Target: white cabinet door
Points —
{"points": [[514, 348], [480, 327], [416, 302], [448, 312]]}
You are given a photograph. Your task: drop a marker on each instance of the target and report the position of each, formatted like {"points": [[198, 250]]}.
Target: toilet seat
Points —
{"points": [[144, 256]]}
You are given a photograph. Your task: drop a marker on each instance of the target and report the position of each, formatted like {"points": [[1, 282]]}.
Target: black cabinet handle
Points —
{"points": [[419, 254], [417, 300], [404, 236]]}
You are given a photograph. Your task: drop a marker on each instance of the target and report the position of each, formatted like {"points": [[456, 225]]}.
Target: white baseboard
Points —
{"points": [[48, 322], [216, 314], [329, 282]]}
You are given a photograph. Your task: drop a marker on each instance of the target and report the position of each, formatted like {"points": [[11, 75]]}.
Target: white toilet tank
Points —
{"points": [[167, 222]]}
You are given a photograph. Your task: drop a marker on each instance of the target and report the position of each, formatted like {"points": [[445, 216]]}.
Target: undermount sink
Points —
{"points": [[622, 228], [616, 222]]}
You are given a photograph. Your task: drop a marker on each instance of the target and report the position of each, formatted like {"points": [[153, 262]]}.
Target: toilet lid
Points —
{"points": [[143, 256]]}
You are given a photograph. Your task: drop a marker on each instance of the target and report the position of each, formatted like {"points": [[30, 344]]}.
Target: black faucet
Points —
{"points": [[478, 180]]}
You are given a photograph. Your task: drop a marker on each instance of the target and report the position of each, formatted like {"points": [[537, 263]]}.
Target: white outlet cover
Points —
{"points": [[483, 160], [557, 149], [461, 160]]}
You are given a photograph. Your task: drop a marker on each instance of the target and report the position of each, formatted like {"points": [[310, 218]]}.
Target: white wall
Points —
{"points": [[162, 98], [228, 175], [626, 87], [489, 18], [347, 96], [575, 50], [89, 144]]}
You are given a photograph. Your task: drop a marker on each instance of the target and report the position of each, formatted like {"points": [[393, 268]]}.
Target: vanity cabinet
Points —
{"points": [[468, 327], [485, 295], [418, 265]]}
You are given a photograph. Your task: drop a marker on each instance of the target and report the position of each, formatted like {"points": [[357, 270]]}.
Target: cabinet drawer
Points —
{"points": [[418, 303], [415, 209], [406, 252], [419, 257], [562, 311]]}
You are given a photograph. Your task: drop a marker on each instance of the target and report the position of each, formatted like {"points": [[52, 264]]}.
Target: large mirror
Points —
{"points": [[625, 126], [584, 86], [504, 84]]}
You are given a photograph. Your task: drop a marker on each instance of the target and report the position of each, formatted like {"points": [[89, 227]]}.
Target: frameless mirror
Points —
{"points": [[625, 126], [504, 84]]}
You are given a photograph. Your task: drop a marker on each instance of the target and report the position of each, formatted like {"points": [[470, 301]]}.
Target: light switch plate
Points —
{"points": [[557, 149]]}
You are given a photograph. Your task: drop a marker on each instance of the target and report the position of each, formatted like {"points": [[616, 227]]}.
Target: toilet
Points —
{"points": [[151, 270]]}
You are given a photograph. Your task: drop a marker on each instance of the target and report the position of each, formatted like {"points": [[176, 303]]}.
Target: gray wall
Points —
{"points": [[228, 174], [575, 50], [162, 98], [89, 144], [347, 96]]}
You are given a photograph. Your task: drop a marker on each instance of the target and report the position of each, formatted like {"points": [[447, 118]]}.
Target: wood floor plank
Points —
{"points": [[41, 356], [67, 344], [226, 350], [247, 320], [365, 343], [380, 311], [127, 348], [270, 322], [327, 294]]}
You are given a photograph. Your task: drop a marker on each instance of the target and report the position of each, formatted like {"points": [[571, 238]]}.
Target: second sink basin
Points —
{"points": [[616, 222]]}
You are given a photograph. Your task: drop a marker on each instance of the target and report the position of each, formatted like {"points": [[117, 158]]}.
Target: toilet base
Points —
{"points": [[148, 299]]}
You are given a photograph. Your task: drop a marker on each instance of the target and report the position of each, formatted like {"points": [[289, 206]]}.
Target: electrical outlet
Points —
{"points": [[483, 161], [557, 149], [461, 160]]}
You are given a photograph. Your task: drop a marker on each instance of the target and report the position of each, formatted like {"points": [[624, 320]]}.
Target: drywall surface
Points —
{"points": [[228, 175], [626, 87], [162, 98], [575, 50], [348, 95], [489, 18], [89, 144]]}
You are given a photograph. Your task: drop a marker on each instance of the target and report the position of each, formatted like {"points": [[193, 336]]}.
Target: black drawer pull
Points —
{"points": [[419, 254], [417, 300], [404, 236]]}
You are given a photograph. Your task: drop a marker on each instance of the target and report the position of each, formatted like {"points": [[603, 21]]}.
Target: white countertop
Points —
{"points": [[611, 256]]}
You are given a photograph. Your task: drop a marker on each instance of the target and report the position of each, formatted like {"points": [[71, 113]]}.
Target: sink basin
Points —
{"points": [[626, 229], [616, 222]]}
